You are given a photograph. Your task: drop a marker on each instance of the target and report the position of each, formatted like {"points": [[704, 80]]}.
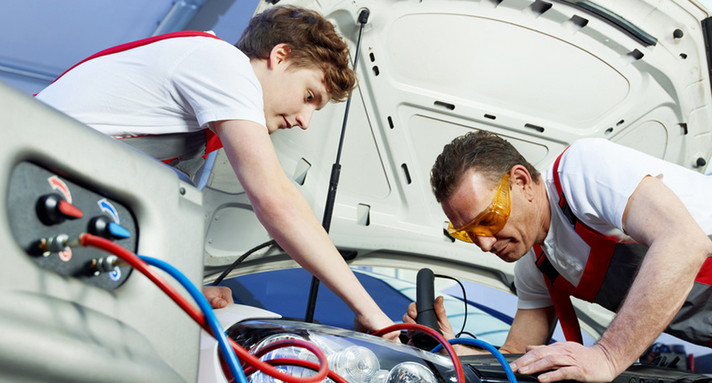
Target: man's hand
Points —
{"points": [[443, 323], [444, 326], [218, 296], [566, 360]]}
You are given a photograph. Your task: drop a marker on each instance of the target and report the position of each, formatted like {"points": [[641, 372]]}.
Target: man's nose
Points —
{"points": [[485, 243], [304, 117]]}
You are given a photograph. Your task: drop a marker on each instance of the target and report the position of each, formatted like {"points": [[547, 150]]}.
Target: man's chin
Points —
{"points": [[510, 256], [507, 258]]}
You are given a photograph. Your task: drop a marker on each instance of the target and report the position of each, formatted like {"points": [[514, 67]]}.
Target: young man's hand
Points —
{"points": [[218, 296], [375, 323]]}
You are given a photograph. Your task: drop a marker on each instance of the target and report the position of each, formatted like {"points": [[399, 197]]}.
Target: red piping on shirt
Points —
{"points": [[211, 139]]}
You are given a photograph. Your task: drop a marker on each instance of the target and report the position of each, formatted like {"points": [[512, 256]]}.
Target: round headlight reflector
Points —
{"points": [[356, 364], [410, 372]]}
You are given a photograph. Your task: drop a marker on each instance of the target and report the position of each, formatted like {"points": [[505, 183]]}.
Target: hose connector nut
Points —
{"points": [[105, 264], [54, 244]]}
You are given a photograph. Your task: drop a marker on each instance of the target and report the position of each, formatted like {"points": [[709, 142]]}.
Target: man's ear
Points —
{"points": [[279, 55], [519, 177]]}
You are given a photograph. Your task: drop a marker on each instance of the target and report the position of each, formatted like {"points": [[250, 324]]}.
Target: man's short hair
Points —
{"points": [[482, 151], [312, 40]]}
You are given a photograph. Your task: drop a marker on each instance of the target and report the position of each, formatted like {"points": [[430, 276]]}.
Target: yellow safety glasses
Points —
{"points": [[490, 221]]}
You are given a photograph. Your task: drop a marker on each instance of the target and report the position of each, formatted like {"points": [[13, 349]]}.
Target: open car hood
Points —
{"points": [[542, 74]]}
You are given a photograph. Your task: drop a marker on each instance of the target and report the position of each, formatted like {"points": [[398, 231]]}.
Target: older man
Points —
{"points": [[606, 224]]}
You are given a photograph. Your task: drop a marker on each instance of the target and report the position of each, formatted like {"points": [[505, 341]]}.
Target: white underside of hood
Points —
{"points": [[540, 73]]}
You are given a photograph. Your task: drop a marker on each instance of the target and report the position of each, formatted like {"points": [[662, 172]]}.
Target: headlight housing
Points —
{"points": [[356, 357]]}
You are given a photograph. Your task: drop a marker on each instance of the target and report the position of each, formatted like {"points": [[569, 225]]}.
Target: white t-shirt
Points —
{"points": [[597, 178], [174, 85]]}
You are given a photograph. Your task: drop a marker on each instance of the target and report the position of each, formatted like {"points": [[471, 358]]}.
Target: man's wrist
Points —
{"points": [[611, 360], [461, 349]]}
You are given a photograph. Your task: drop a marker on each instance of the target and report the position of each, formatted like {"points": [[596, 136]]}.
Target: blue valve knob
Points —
{"points": [[118, 231], [104, 226]]}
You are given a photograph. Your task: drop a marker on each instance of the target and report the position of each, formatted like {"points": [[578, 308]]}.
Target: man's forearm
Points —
{"points": [[529, 327], [652, 302]]}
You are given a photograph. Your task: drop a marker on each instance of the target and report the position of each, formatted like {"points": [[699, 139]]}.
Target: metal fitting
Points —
{"points": [[105, 264], [54, 244]]}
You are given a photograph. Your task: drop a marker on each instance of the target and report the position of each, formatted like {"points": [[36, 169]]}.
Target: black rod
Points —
{"points": [[335, 173]]}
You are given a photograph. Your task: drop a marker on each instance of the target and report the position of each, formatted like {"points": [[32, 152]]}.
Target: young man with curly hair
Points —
{"points": [[171, 95]]}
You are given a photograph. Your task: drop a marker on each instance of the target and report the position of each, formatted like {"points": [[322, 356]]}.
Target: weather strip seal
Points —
{"points": [[707, 34], [614, 19]]}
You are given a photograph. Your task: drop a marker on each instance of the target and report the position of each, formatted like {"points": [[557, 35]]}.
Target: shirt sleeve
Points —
{"points": [[598, 177], [218, 82]]}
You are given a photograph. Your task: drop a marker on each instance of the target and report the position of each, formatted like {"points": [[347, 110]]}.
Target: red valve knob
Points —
{"points": [[53, 209]]}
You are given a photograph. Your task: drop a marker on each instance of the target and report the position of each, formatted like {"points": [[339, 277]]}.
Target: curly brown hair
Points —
{"points": [[482, 151], [312, 40]]}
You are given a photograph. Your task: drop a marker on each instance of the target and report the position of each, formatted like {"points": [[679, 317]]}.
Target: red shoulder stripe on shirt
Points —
{"points": [[212, 140], [138, 43]]}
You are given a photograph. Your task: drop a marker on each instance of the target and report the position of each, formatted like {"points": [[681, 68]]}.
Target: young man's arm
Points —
{"points": [[289, 219], [656, 217]]}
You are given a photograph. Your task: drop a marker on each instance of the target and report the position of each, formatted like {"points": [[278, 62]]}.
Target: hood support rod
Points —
{"points": [[335, 173]]}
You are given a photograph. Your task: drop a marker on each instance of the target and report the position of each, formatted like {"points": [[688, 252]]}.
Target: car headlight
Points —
{"points": [[410, 372], [356, 357]]}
